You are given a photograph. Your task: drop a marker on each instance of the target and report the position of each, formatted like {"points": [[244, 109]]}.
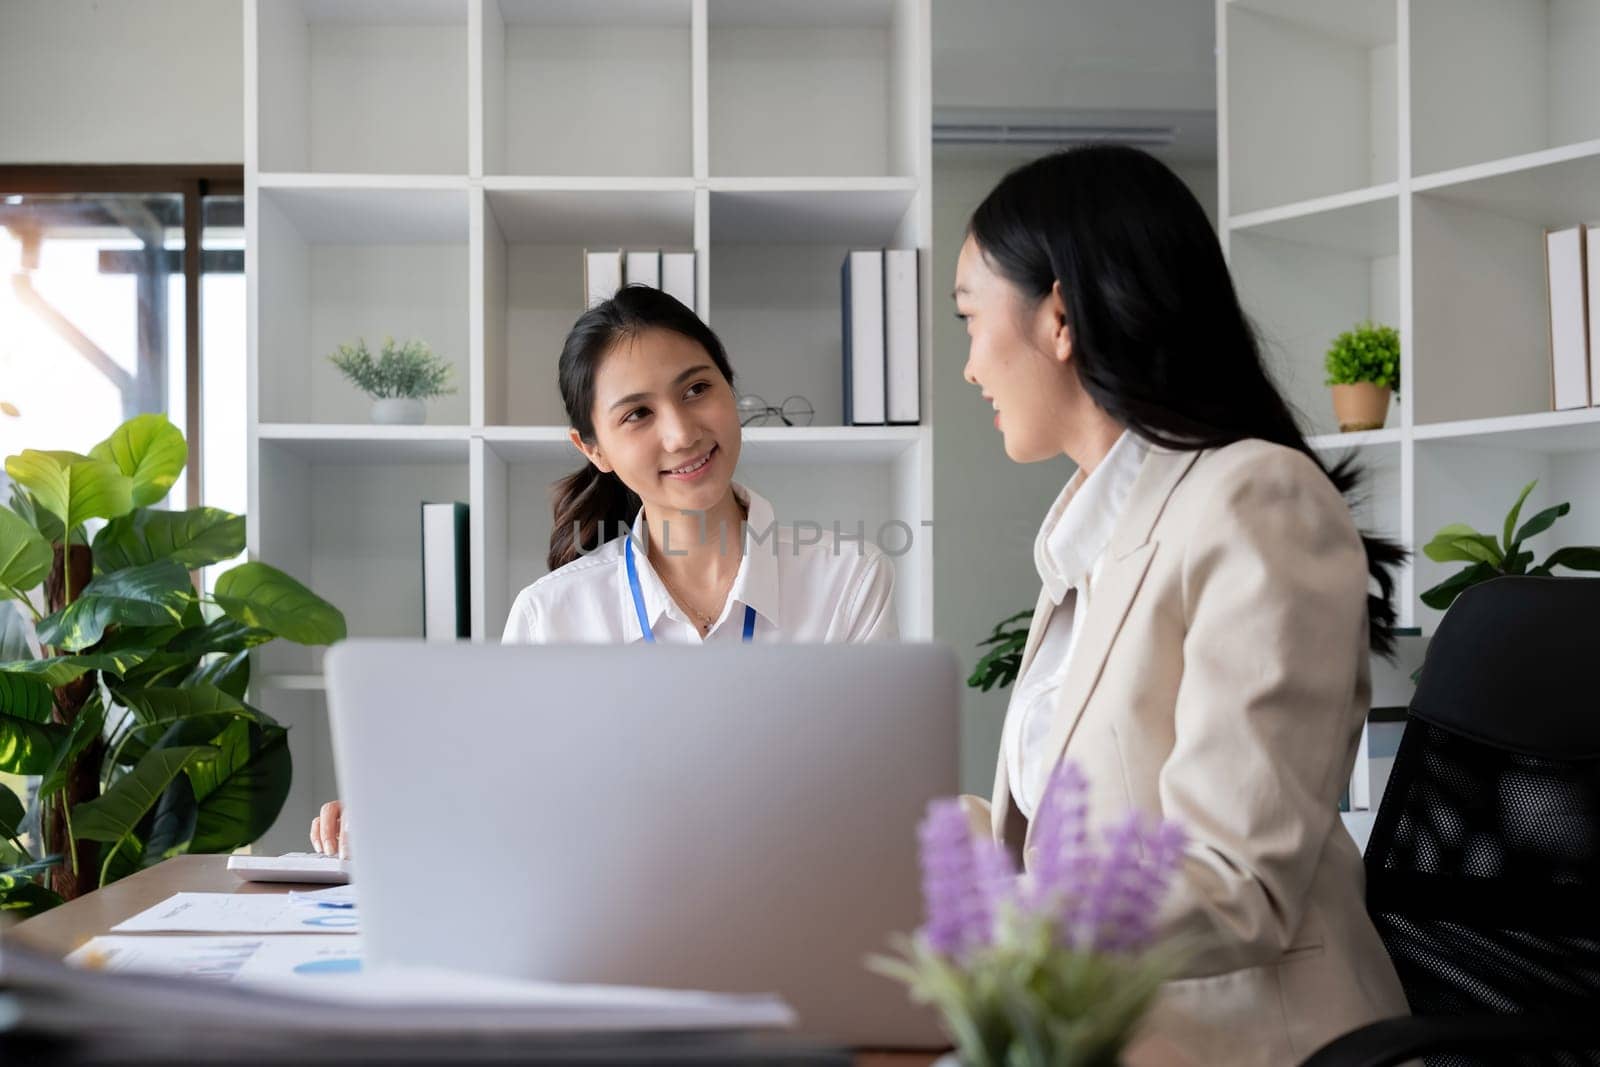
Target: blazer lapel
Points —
{"points": [[1112, 593], [1000, 807]]}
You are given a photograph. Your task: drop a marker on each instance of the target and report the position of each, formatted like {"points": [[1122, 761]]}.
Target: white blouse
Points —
{"points": [[1067, 554], [828, 591]]}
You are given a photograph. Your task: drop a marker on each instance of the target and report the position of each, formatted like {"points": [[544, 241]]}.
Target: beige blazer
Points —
{"points": [[1220, 679]]}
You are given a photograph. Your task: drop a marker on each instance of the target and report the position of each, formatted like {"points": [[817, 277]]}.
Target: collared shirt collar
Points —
{"points": [[1080, 523], [755, 584]]}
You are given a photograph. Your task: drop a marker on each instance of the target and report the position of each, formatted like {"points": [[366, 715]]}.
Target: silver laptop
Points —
{"points": [[738, 818]]}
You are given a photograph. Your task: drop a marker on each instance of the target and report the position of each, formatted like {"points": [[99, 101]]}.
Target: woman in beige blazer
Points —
{"points": [[1200, 647]]}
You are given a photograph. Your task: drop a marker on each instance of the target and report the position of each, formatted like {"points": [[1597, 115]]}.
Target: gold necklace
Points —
{"points": [[705, 620]]}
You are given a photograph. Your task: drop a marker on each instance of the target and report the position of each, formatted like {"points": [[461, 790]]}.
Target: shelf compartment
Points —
{"points": [[534, 239], [809, 88], [345, 520], [1305, 279], [774, 283], [1291, 58], [360, 86], [1481, 310], [1500, 78], [1476, 479], [601, 87], [338, 264]]}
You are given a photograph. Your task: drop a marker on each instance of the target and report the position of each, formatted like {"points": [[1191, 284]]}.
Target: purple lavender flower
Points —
{"points": [[1099, 900], [1064, 865], [964, 881]]}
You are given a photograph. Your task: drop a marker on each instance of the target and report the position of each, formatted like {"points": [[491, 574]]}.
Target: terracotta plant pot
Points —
{"points": [[1361, 406]]}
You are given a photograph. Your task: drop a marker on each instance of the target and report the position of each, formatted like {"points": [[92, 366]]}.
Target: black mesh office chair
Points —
{"points": [[1483, 870]]}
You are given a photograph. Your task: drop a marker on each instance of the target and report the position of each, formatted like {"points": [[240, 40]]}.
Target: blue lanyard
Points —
{"points": [[638, 601]]}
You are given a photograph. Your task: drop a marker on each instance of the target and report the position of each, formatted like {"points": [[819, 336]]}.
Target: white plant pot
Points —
{"points": [[399, 411]]}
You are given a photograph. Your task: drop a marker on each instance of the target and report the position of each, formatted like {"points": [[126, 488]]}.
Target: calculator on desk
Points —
{"points": [[291, 867]]}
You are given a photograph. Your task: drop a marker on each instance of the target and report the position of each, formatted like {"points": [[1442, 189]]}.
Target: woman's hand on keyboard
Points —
{"points": [[330, 831]]}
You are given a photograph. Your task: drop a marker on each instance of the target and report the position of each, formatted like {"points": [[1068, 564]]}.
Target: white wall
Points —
{"points": [[121, 81], [1083, 54]]}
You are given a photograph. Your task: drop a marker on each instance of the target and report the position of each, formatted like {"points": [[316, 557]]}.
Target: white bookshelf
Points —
{"points": [[1399, 160], [433, 168]]}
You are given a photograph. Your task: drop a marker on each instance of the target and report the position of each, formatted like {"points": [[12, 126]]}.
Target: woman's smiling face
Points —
{"points": [[666, 421], [1017, 355]]}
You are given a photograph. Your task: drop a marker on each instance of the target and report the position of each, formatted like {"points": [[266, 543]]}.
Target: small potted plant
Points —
{"points": [[1055, 969], [1364, 369], [399, 380]]}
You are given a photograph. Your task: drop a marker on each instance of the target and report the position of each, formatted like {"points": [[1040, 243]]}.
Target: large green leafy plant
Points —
{"points": [[1488, 559], [133, 714]]}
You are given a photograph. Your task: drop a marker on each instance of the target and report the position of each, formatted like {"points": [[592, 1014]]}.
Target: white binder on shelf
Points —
{"points": [[1569, 328], [1591, 263], [861, 282], [446, 573], [602, 276], [677, 277], [643, 268], [903, 354]]}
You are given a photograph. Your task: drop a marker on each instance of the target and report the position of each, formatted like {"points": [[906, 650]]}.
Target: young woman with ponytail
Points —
{"points": [[1200, 647], [653, 540]]}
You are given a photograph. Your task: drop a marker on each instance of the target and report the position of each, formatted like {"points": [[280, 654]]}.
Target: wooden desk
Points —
{"points": [[65, 928]]}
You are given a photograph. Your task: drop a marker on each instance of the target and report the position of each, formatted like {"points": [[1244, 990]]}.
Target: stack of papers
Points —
{"points": [[298, 959]]}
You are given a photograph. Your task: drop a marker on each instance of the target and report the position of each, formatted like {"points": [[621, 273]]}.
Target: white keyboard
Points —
{"points": [[291, 867]]}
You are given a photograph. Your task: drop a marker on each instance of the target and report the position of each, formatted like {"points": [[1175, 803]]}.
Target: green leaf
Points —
{"points": [[58, 671], [1444, 594], [242, 790], [195, 538], [230, 673], [1511, 516], [28, 747], [71, 487], [25, 556], [1541, 522], [264, 596], [13, 634], [174, 718], [85, 728], [22, 898], [155, 704], [116, 813], [1518, 563], [28, 510], [150, 451], [152, 595], [219, 635], [1575, 558], [11, 813], [174, 823], [22, 696], [1459, 542]]}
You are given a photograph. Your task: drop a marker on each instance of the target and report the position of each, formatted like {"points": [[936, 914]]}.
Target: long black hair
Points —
{"points": [[1159, 339], [590, 506]]}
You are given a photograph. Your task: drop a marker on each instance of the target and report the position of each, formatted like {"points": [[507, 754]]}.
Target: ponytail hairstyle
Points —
{"points": [[593, 506], [1159, 339]]}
